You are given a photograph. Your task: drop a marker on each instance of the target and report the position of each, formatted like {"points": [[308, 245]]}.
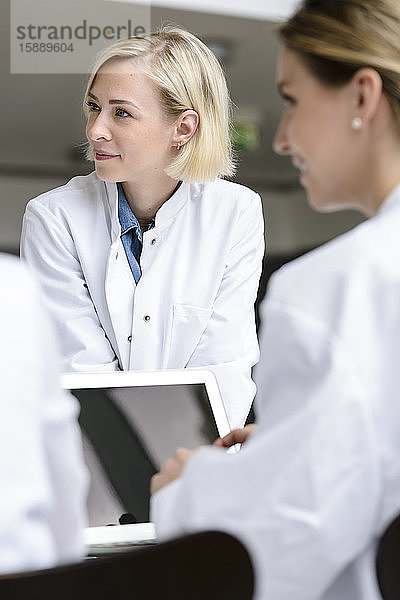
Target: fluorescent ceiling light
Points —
{"points": [[271, 10]]}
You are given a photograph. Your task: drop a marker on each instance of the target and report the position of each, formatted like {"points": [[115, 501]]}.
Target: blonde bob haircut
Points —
{"points": [[337, 37], [187, 76]]}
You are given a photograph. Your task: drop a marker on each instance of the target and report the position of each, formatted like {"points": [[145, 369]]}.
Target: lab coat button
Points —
{"points": [[146, 318], [129, 338], [116, 256], [153, 241]]}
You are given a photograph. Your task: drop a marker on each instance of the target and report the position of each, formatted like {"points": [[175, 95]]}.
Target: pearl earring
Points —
{"points": [[178, 145], [356, 123]]}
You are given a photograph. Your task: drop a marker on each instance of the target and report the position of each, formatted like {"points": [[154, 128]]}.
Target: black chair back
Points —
{"points": [[202, 566], [388, 561]]}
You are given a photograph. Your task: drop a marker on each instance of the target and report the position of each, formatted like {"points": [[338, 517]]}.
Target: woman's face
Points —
{"points": [[315, 130], [130, 135]]}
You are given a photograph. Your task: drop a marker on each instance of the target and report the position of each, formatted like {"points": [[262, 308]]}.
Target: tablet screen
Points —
{"points": [[128, 433]]}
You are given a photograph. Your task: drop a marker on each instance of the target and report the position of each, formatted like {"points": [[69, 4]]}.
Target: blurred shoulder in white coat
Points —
{"points": [[43, 481]]}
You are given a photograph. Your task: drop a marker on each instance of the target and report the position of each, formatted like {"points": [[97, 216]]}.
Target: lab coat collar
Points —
{"points": [[166, 212], [112, 197], [173, 205]]}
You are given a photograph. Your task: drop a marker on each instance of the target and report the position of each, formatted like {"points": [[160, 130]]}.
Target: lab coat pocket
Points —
{"points": [[188, 324]]}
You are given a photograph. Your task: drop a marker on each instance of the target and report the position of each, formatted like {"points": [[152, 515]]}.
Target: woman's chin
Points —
{"points": [[326, 204], [317, 203], [106, 174]]}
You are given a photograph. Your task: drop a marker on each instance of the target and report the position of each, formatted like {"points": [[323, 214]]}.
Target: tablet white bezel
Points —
{"points": [[73, 381]]}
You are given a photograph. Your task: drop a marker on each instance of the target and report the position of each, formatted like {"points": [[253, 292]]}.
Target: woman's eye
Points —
{"points": [[288, 101], [92, 106], [120, 112]]}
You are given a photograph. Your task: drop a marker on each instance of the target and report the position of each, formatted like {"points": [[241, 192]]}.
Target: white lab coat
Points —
{"points": [[42, 479], [312, 491], [193, 306]]}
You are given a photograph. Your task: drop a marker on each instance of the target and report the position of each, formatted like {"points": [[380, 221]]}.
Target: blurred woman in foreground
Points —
{"points": [[315, 486]]}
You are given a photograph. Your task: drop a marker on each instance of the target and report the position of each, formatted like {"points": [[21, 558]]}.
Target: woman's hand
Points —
{"points": [[237, 436], [171, 469]]}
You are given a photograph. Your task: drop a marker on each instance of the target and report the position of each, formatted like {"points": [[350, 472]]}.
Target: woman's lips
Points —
{"points": [[100, 156]]}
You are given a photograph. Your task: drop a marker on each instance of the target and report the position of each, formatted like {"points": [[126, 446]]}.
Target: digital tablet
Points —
{"points": [[131, 422]]}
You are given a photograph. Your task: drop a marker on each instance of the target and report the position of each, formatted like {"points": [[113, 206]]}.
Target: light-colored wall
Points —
{"points": [[14, 194]]}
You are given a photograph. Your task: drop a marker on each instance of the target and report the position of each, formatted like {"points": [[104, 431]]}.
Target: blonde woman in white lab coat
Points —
{"points": [[153, 261], [317, 483]]}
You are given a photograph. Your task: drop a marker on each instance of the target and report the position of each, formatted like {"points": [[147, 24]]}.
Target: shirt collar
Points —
{"points": [[168, 210], [126, 217]]}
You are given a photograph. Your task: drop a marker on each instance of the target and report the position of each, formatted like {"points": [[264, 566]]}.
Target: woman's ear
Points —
{"points": [[367, 88], [185, 127]]}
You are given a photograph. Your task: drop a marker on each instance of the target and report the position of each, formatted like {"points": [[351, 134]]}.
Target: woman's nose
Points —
{"points": [[97, 129], [281, 143]]}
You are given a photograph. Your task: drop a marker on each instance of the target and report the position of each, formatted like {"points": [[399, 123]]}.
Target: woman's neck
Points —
{"points": [[384, 177], [145, 198], [382, 173]]}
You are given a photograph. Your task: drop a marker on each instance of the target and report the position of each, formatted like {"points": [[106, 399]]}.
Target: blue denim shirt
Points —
{"points": [[131, 234]]}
